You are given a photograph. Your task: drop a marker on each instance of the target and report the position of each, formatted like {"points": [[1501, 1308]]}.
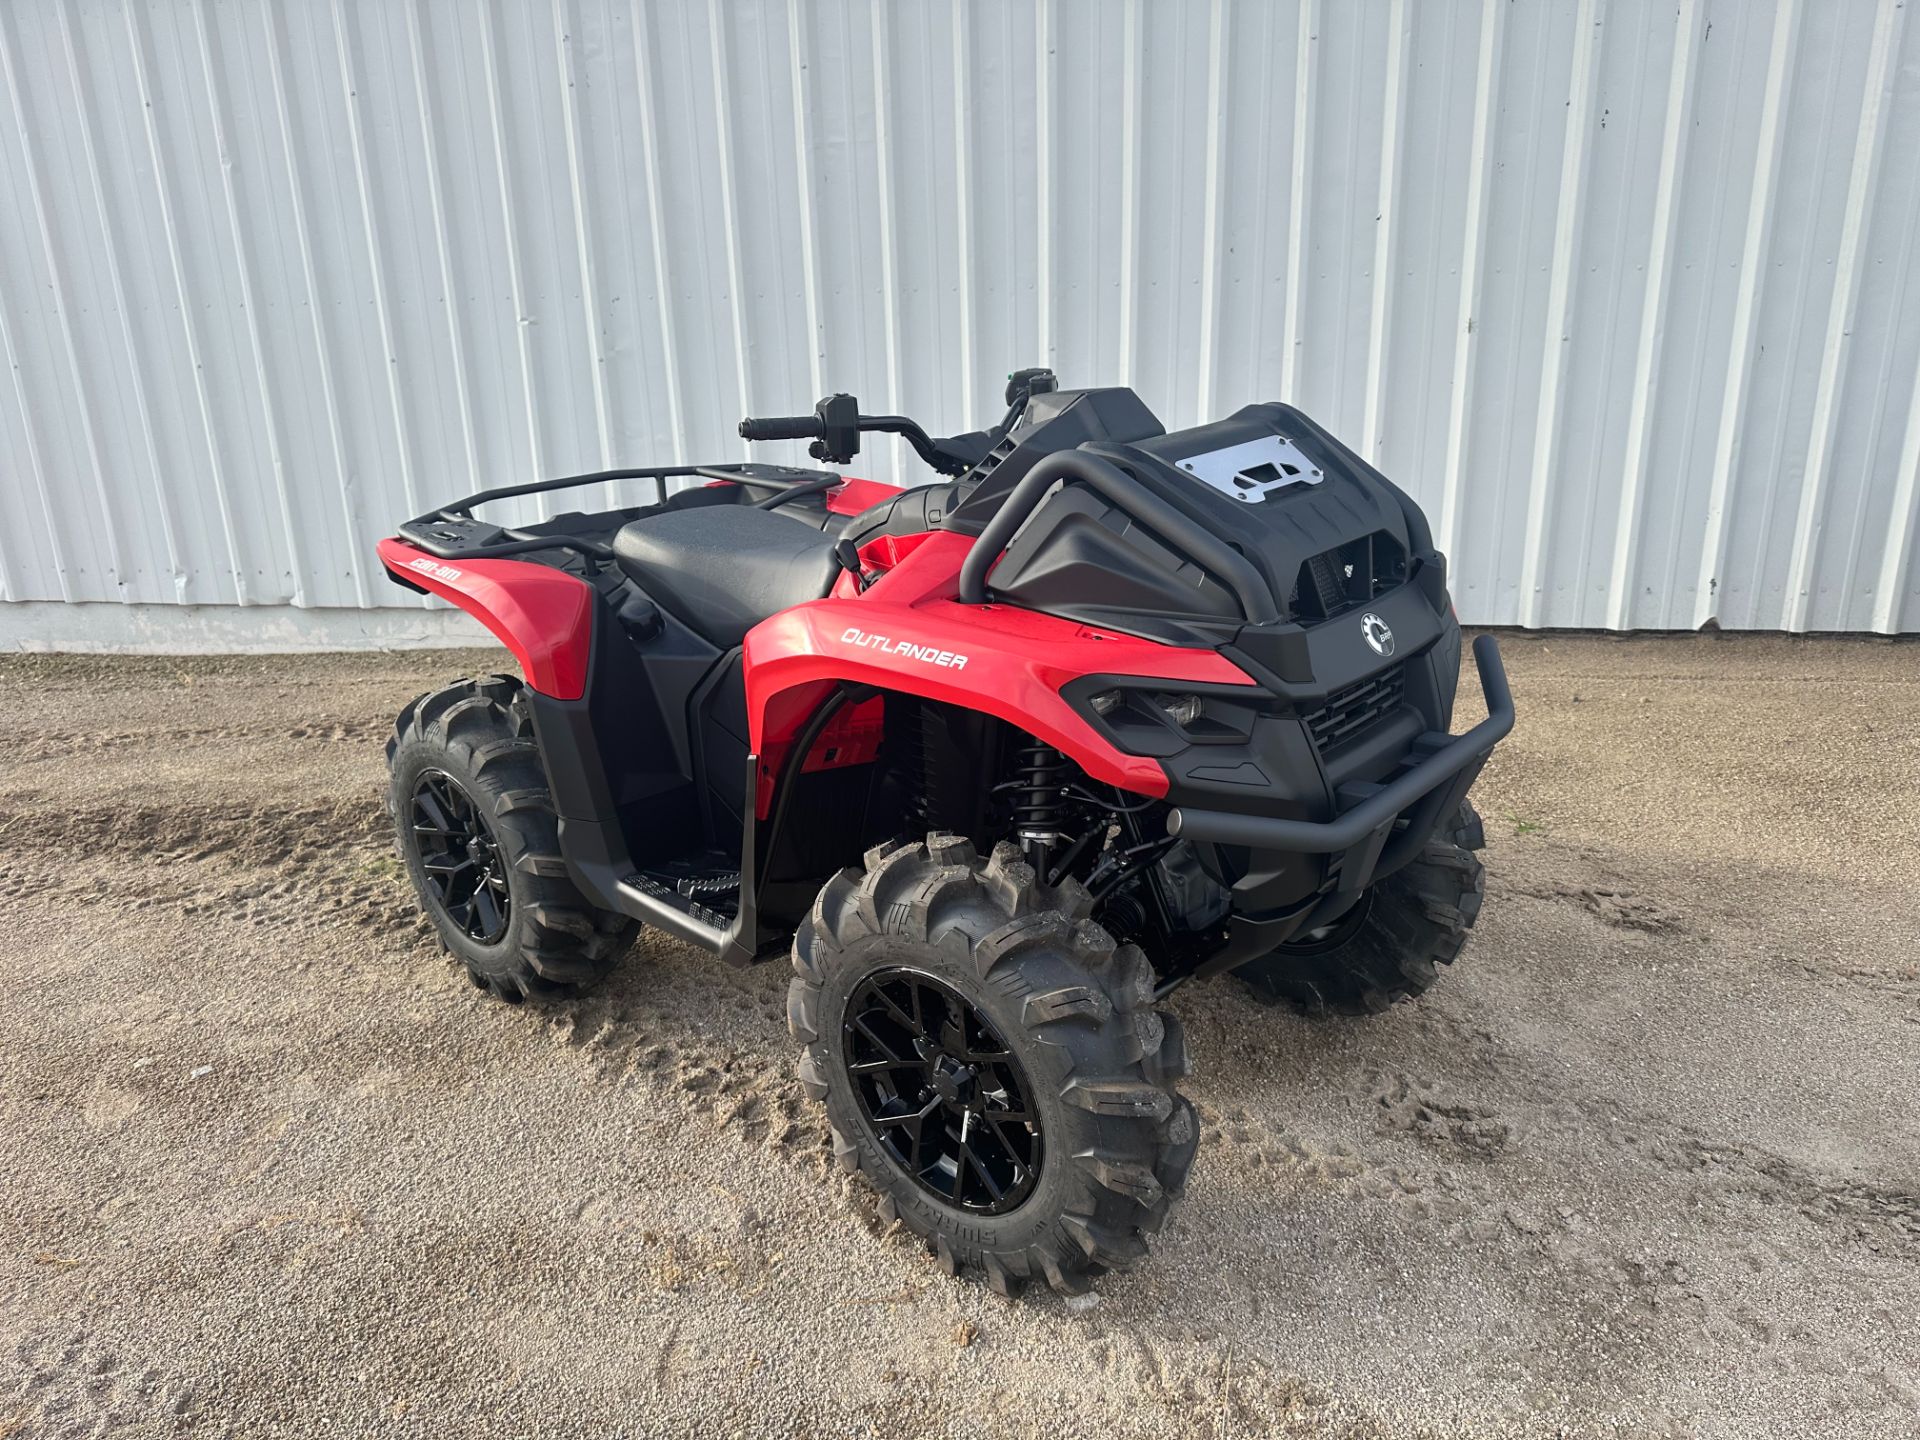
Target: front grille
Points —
{"points": [[1352, 711]]}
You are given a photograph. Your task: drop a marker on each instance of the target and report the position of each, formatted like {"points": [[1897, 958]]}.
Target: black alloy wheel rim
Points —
{"points": [[461, 857], [942, 1091]]}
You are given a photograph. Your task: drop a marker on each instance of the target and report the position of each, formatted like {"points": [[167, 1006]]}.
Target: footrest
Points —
{"points": [[661, 906], [694, 908], [709, 879]]}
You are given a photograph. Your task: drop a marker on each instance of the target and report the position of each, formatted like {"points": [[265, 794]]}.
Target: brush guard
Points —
{"points": [[1382, 827]]}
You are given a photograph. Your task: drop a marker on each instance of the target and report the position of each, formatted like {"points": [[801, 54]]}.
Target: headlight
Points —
{"points": [[1185, 709], [1141, 718]]}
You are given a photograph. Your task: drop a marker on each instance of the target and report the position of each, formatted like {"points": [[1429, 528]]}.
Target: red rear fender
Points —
{"points": [[544, 616]]}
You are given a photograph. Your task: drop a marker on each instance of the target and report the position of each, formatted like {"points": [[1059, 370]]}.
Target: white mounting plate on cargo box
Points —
{"points": [[1253, 471]]}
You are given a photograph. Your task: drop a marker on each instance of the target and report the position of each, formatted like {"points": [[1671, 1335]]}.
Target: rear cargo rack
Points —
{"points": [[452, 533]]}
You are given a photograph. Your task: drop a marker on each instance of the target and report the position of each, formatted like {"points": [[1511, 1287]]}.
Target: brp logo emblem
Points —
{"points": [[1379, 634]]}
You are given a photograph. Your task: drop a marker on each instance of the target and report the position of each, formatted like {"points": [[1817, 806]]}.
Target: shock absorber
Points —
{"points": [[915, 761], [1040, 774]]}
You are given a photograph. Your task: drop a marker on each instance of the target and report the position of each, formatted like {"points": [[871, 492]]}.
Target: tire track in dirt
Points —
{"points": [[639, 1030], [1492, 1150], [318, 866], [73, 1385], [259, 835], [1463, 1122], [1584, 879], [312, 866], [39, 746]]}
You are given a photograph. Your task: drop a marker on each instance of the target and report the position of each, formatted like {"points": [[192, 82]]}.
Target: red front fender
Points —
{"points": [[907, 633], [544, 616]]}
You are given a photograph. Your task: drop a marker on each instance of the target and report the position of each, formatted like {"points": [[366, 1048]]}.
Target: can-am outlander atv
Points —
{"points": [[1000, 761]]}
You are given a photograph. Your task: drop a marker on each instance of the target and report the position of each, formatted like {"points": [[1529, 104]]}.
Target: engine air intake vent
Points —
{"points": [[1353, 711], [1347, 575], [991, 461]]}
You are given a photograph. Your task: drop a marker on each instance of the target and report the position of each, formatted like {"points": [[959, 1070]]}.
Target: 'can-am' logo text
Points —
{"points": [[435, 569], [906, 649]]}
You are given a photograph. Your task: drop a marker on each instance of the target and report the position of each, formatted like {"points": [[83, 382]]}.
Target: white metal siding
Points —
{"points": [[1621, 290]]}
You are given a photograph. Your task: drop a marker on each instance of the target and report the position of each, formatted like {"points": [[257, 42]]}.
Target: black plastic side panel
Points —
{"points": [[670, 666], [719, 717], [583, 792], [912, 512], [1432, 682], [1082, 557], [1057, 420], [826, 827], [619, 759], [590, 836], [819, 820]]}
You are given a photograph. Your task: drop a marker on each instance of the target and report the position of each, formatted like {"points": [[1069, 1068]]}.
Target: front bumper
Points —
{"points": [[1448, 768], [1381, 827]]}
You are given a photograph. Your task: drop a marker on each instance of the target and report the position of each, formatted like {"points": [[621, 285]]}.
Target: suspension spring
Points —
{"points": [[916, 762], [1040, 776]]}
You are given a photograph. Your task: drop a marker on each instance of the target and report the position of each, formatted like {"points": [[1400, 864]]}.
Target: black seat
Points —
{"points": [[722, 569]]}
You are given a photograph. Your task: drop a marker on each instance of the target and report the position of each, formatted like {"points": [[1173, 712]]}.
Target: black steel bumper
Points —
{"points": [[1447, 759], [1366, 840]]}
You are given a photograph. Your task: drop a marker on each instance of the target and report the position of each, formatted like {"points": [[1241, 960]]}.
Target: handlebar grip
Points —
{"points": [[781, 427]]}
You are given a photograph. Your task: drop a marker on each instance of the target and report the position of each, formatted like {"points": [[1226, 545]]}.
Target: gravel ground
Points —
{"points": [[1645, 1162]]}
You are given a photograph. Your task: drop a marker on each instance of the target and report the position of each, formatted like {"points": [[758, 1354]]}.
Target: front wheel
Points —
{"points": [[1388, 947], [992, 1062]]}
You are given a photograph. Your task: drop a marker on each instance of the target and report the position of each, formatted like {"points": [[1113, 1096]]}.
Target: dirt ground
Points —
{"points": [[1646, 1162]]}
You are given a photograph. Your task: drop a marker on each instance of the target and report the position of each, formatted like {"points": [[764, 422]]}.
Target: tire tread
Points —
{"points": [[484, 726], [1418, 921], [1084, 994]]}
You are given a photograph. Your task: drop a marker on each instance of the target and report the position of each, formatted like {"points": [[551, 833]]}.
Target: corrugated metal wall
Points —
{"points": [[1621, 291]]}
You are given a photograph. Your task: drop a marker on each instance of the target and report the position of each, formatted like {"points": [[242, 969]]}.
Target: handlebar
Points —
{"points": [[781, 427], [836, 425], [835, 428]]}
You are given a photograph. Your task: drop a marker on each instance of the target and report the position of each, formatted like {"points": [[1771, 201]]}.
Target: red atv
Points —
{"points": [[1000, 761]]}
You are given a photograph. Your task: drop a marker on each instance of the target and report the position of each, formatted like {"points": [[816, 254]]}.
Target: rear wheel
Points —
{"points": [[478, 835], [992, 1062], [1388, 947]]}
